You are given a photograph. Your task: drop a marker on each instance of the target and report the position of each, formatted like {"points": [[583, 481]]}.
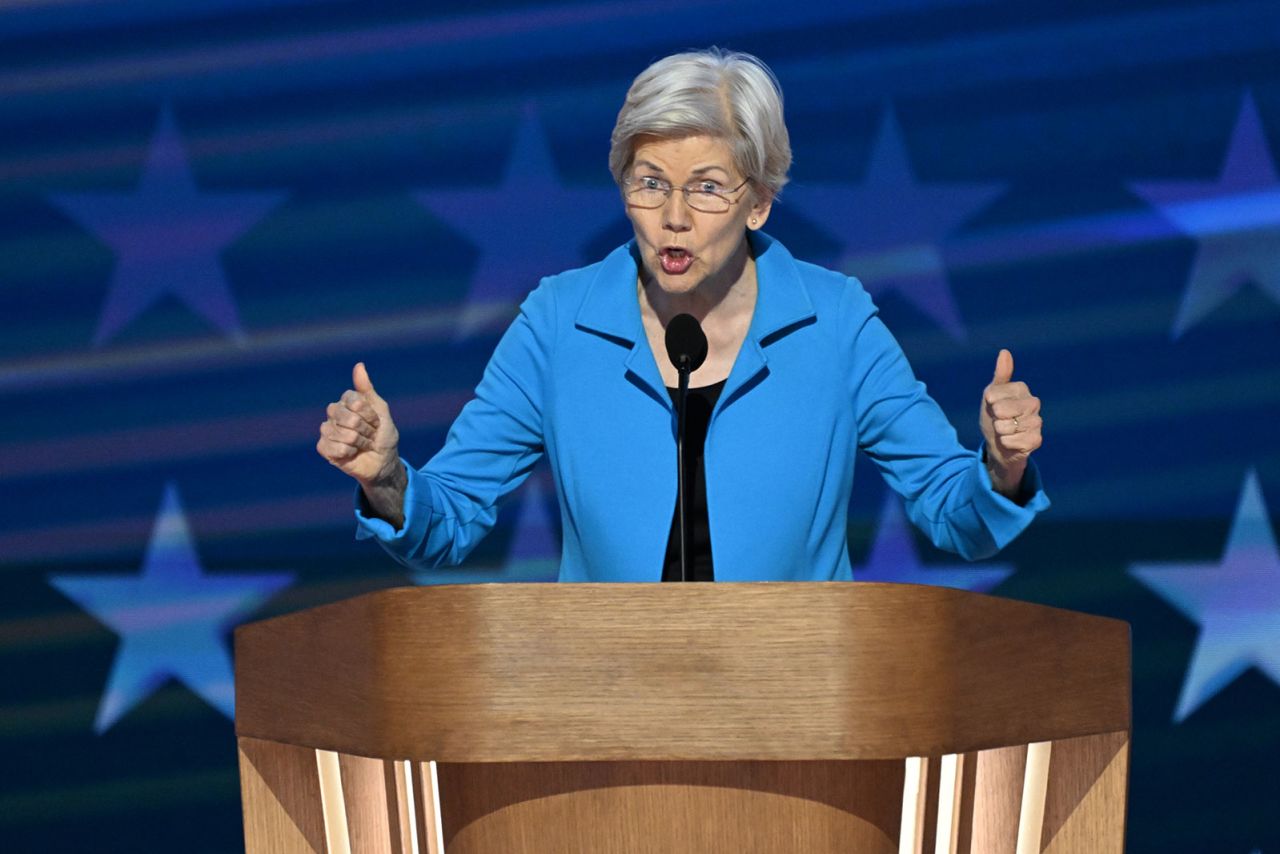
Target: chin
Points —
{"points": [[678, 284], [682, 284]]}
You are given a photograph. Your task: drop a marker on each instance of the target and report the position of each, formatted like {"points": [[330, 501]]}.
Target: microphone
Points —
{"points": [[687, 350], [686, 343]]}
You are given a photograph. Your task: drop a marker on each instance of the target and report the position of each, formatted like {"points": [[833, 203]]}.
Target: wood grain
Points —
{"points": [[426, 796], [1094, 821], [928, 835], [1074, 770], [636, 718], [510, 672], [997, 800], [280, 790], [815, 807], [399, 818], [967, 801], [365, 796]]}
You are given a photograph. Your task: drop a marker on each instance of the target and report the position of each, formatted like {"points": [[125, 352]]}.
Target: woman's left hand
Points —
{"points": [[1011, 424]]}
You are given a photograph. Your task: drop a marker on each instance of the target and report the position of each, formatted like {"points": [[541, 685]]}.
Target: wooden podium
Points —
{"points": [[617, 718]]}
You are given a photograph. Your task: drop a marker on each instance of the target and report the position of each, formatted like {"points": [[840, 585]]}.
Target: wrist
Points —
{"points": [[1006, 477], [391, 478], [384, 495]]}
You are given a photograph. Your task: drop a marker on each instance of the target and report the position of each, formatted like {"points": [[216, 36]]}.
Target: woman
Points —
{"points": [[800, 374]]}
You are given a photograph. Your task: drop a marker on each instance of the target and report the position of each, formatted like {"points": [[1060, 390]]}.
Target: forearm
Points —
{"points": [[1006, 479], [384, 497]]}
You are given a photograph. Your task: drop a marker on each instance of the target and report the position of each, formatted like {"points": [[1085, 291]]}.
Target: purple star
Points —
{"points": [[892, 227], [1236, 602], [172, 618], [529, 227], [893, 558], [167, 235], [1235, 221]]}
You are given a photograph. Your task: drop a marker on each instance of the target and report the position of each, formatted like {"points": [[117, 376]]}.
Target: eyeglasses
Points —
{"points": [[706, 196]]}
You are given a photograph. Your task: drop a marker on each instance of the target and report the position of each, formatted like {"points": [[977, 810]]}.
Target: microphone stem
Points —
{"points": [[681, 512]]}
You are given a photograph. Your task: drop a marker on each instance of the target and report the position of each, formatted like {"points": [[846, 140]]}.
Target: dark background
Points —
{"points": [[210, 210]]}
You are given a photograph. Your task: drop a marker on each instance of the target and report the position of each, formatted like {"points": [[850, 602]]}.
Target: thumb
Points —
{"points": [[1004, 368], [360, 380]]}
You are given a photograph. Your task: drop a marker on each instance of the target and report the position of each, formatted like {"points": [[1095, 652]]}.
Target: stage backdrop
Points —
{"points": [[210, 209]]}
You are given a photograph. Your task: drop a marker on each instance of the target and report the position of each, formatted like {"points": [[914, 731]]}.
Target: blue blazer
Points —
{"points": [[818, 378]]}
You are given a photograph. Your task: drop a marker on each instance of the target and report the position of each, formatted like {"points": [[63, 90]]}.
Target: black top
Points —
{"points": [[697, 417]]}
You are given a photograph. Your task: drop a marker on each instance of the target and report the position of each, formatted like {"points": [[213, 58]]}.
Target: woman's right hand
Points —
{"points": [[359, 437]]}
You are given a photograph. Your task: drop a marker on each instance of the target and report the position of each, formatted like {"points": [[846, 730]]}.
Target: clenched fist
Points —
{"points": [[1011, 424], [360, 438]]}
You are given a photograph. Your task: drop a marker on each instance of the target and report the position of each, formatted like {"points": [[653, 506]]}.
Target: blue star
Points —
{"points": [[167, 235], [893, 558], [172, 618], [1235, 221], [891, 227], [529, 227], [1236, 602], [534, 554]]}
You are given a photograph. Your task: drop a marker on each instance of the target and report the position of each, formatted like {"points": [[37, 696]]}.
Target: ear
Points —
{"points": [[760, 209]]}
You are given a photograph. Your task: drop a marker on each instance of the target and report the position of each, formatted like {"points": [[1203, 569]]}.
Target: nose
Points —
{"points": [[675, 213]]}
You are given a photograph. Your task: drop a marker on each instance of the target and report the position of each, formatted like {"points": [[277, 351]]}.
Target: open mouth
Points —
{"points": [[675, 260]]}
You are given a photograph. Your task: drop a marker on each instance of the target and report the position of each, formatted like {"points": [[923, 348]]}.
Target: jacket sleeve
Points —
{"points": [[452, 501], [946, 488]]}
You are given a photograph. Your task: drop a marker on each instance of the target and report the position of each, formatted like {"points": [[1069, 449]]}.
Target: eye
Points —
{"points": [[708, 186], [648, 182]]}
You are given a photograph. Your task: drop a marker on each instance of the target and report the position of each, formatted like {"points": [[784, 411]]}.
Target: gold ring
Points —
{"points": [[1016, 426]]}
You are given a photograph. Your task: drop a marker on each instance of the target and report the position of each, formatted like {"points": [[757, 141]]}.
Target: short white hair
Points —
{"points": [[725, 94]]}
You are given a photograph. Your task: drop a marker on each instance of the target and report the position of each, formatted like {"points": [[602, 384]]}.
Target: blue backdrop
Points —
{"points": [[210, 209]]}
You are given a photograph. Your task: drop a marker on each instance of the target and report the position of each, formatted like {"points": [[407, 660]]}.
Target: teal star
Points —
{"points": [[1236, 603], [171, 617]]}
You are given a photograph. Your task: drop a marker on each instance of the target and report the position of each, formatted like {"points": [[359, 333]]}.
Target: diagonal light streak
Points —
{"points": [[451, 44], [174, 442], [201, 355], [119, 536]]}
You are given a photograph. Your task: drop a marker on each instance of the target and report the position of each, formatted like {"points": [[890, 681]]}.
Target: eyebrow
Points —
{"points": [[701, 170]]}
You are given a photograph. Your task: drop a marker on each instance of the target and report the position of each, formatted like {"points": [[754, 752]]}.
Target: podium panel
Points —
{"points": [[727, 717]]}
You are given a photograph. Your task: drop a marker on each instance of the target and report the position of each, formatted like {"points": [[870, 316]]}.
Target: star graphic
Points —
{"points": [[1235, 221], [893, 558], [892, 227], [534, 554], [166, 235], [1236, 603], [172, 618], [527, 228]]}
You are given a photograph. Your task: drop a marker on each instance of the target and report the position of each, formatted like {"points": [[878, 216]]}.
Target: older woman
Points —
{"points": [[800, 374]]}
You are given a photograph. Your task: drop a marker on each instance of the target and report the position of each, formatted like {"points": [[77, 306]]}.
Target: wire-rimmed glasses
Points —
{"points": [[706, 196]]}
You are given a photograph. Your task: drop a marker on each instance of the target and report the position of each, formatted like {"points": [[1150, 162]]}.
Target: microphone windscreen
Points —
{"points": [[686, 341]]}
